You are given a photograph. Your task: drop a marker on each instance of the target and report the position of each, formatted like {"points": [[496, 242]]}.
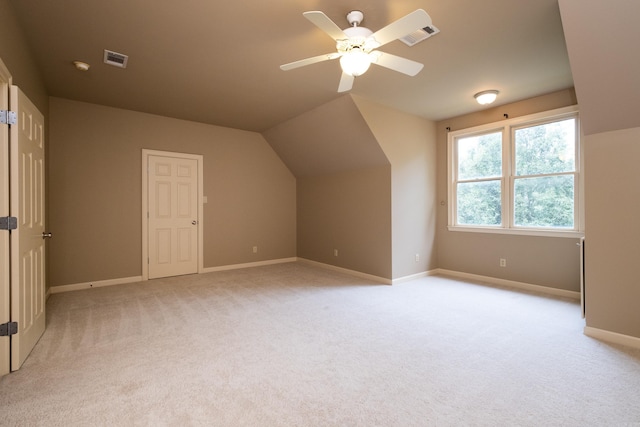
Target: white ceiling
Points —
{"points": [[218, 62]]}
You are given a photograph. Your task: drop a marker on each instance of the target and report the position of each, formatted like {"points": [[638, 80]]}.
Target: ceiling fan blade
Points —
{"points": [[346, 82], [396, 63], [309, 61], [323, 22], [402, 27]]}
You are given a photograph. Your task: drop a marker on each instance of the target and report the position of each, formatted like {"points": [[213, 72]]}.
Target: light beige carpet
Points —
{"points": [[297, 345]]}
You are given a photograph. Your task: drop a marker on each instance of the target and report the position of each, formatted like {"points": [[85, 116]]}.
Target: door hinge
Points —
{"points": [[8, 223], [8, 329], [8, 117]]}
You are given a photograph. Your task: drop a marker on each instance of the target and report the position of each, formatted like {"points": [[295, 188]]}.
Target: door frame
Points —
{"points": [[145, 205], [5, 295]]}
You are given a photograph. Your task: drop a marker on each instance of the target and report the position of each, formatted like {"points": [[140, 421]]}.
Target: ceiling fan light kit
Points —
{"points": [[355, 62], [357, 46]]}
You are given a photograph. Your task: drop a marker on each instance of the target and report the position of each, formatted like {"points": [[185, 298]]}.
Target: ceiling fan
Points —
{"points": [[356, 46]]}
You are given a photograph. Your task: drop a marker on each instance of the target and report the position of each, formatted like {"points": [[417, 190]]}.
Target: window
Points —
{"points": [[518, 176]]}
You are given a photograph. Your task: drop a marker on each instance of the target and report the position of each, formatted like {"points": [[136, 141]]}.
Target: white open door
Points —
{"points": [[5, 348], [173, 214], [27, 241]]}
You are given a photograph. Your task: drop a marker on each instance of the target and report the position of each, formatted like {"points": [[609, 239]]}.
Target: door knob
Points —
{"points": [[47, 235], [194, 222]]}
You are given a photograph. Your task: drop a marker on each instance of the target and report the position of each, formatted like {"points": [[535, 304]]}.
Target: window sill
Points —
{"points": [[520, 231]]}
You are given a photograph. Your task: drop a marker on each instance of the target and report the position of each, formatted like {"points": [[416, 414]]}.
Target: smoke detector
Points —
{"points": [[116, 59], [420, 35]]}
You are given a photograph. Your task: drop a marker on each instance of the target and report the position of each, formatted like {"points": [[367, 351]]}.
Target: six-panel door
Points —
{"points": [[27, 241], [173, 216]]}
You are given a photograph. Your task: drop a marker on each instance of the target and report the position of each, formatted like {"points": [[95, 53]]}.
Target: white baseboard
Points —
{"points": [[510, 283], [612, 337], [347, 271], [414, 277], [438, 271], [248, 264], [96, 284], [124, 280]]}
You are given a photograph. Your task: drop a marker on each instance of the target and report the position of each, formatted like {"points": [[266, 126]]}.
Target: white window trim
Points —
{"points": [[507, 127]]}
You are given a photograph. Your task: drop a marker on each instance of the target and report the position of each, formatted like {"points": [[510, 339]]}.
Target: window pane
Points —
{"points": [[480, 156], [479, 203], [544, 202], [547, 148]]}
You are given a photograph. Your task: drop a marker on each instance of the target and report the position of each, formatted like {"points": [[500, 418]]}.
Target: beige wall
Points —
{"points": [[16, 55], [378, 216], [344, 187], [410, 145], [606, 80], [350, 212], [95, 191], [604, 64], [544, 261], [331, 138], [612, 283]]}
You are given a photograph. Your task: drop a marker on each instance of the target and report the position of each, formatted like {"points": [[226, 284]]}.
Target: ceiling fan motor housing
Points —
{"points": [[355, 17]]}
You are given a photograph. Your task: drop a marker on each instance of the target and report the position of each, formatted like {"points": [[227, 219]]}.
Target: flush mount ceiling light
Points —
{"points": [[486, 97], [81, 66]]}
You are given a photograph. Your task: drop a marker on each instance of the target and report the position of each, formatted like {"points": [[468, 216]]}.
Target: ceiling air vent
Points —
{"points": [[116, 59], [420, 35]]}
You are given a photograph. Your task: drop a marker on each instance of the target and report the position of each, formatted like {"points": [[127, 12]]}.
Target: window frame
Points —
{"points": [[508, 128]]}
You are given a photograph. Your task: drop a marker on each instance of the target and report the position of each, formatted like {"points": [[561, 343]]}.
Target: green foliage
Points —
{"points": [[479, 203], [544, 202], [480, 156], [544, 149]]}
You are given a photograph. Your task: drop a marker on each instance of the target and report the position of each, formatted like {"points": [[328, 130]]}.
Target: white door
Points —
{"points": [[27, 241], [5, 348], [173, 219]]}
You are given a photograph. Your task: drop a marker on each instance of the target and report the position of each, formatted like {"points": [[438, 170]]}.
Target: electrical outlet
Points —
{"points": [[255, 249], [503, 262], [335, 252], [417, 257]]}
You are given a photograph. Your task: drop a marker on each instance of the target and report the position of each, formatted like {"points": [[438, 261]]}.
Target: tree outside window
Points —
{"points": [[545, 165]]}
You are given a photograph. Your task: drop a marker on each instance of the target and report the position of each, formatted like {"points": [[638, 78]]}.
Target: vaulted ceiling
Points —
{"points": [[603, 48], [218, 62]]}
